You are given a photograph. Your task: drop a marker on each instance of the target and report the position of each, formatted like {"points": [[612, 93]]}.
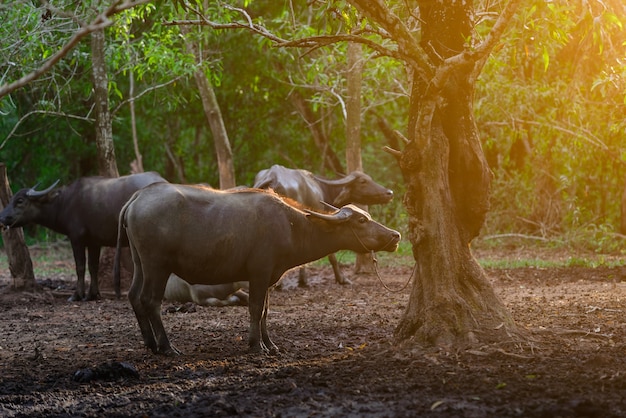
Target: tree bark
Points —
{"points": [[452, 303], [107, 165], [622, 228], [20, 263], [213, 114]]}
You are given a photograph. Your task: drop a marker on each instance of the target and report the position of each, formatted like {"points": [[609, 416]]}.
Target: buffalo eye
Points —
{"points": [[362, 219]]}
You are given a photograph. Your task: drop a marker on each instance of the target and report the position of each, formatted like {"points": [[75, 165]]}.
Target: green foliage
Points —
{"points": [[551, 108], [550, 104]]}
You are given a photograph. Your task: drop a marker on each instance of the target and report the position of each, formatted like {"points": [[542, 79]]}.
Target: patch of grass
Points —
{"points": [[503, 263], [513, 263], [401, 257], [49, 259]]}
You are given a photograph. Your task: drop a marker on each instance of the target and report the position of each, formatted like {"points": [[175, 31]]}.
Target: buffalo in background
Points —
{"points": [[87, 211], [314, 192]]}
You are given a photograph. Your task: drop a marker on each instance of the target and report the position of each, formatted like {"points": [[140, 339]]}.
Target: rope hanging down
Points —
{"points": [[375, 260], [383, 283]]}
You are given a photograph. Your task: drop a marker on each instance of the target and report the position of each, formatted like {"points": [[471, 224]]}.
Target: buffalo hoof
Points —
{"points": [[75, 298], [344, 282], [262, 348], [274, 351], [169, 352], [90, 298]]}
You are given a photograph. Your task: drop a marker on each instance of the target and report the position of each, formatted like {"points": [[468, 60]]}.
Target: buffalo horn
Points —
{"points": [[38, 193], [339, 182], [341, 216], [329, 206]]}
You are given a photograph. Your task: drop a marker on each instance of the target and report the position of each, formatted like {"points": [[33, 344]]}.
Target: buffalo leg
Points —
{"points": [[93, 261], [302, 277], [256, 307], [134, 296], [264, 334], [338, 275], [151, 296], [80, 260]]}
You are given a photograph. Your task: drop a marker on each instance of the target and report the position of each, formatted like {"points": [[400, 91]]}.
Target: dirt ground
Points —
{"points": [[337, 357]]}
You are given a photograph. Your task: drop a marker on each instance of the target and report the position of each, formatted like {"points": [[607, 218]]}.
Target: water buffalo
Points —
{"points": [[207, 236], [206, 295], [311, 190], [86, 211]]}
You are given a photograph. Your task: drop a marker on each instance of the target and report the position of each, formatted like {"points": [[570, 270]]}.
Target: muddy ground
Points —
{"points": [[337, 357]]}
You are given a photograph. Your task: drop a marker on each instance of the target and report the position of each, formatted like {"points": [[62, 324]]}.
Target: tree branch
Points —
{"points": [[378, 12], [100, 22], [42, 112], [144, 92], [585, 135], [476, 56]]}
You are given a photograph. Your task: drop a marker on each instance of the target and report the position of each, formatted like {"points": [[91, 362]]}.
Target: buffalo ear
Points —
{"points": [[52, 195]]}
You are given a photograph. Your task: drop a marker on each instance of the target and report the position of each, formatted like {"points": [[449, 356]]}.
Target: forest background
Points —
{"points": [[550, 106]]}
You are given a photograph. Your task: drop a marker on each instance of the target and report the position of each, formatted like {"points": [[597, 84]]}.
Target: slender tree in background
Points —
{"points": [[314, 121], [20, 264], [107, 165], [213, 115], [364, 262]]}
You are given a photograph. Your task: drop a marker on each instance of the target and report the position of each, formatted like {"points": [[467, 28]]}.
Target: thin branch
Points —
{"points": [[144, 92], [100, 22], [249, 25], [42, 112], [392, 151], [401, 137], [476, 56], [531, 237], [588, 137], [325, 40], [308, 42], [378, 12]]}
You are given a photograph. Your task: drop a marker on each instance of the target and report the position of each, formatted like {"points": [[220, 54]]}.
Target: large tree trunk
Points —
{"points": [[452, 302], [107, 165], [213, 114], [20, 263]]}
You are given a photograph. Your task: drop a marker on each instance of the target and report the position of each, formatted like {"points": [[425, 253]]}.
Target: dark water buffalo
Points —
{"points": [[311, 190], [207, 236], [86, 211], [224, 294]]}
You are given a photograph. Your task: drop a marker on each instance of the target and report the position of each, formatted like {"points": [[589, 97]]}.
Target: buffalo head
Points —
{"points": [[358, 187], [23, 207]]}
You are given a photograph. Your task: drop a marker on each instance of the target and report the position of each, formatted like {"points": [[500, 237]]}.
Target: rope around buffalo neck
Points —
{"points": [[383, 283], [375, 260]]}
